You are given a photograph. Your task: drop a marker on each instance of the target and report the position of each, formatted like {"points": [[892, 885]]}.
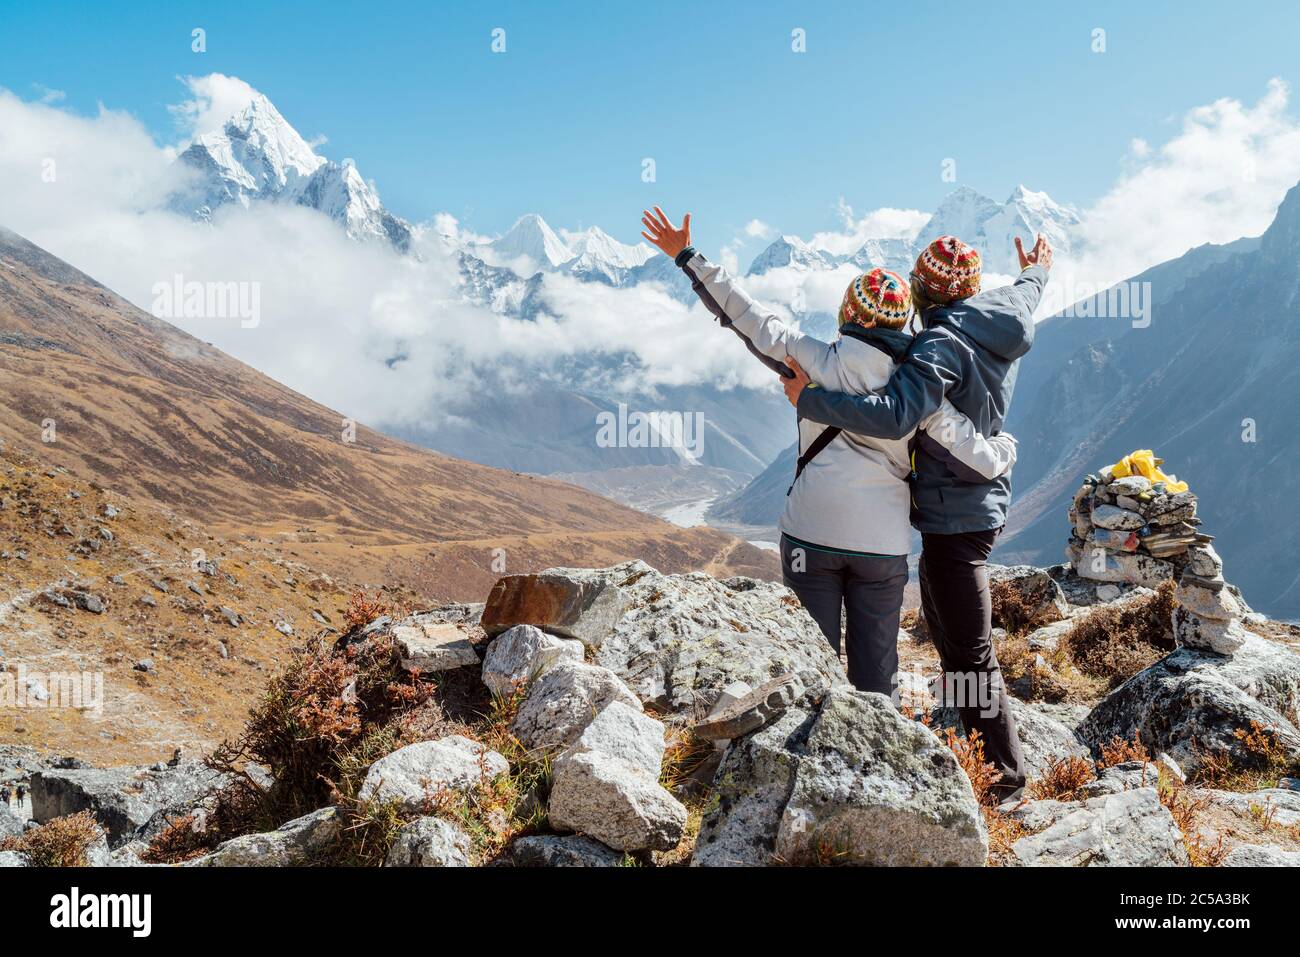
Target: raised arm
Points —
{"points": [[1034, 268], [764, 332]]}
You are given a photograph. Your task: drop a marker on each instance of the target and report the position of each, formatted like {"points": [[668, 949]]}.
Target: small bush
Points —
{"points": [[362, 610], [1186, 811], [1063, 779], [970, 755], [319, 719], [1011, 611], [1114, 642], [62, 842], [1119, 751], [1003, 831], [1258, 763]]}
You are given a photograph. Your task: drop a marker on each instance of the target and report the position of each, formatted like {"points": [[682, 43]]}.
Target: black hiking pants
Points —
{"points": [[868, 589], [958, 615]]}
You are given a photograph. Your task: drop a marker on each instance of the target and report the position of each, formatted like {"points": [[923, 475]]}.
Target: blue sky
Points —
{"points": [[740, 127]]}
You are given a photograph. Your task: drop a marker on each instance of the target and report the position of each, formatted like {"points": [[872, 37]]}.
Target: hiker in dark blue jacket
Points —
{"points": [[966, 352]]}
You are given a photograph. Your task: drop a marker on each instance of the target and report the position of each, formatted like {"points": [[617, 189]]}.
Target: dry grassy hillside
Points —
{"points": [[160, 417]]}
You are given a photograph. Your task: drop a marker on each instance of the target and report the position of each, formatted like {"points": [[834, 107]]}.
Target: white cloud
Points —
{"points": [[387, 338], [381, 337], [214, 99], [48, 95], [884, 223], [757, 229], [1220, 178]]}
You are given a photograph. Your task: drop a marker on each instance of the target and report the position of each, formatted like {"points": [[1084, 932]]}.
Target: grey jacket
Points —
{"points": [[967, 352], [854, 495]]}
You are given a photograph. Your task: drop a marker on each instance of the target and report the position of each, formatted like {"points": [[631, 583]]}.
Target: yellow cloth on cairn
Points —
{"points": [[1144, 462]]}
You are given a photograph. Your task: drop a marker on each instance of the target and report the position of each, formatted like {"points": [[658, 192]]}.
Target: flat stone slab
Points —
{"points": [[753, 710], [433, 646]]}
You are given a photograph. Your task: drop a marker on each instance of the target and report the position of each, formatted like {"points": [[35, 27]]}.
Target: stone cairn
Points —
{"points": [[1134, 531]]}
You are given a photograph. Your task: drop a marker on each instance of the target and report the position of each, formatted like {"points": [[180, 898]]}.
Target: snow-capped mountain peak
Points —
{"points": [[531, 238], [599, 255], [789, 250], [257, 156], [991, 227]]}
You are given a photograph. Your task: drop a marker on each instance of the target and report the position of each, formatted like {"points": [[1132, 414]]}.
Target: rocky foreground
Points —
{"points": [[602, 717]]}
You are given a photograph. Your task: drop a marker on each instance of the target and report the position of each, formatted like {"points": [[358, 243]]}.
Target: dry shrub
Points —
{"points": [[970, 755], [1112, 643], [330, 711], [1003, 831], [1011, 611], [1186, 811], [362, 610], [61, 842], [1119, 751], [1063, 779], [1259, 763]]}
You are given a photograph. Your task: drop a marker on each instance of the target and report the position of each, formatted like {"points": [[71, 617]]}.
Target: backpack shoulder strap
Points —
{"points": [[825, 438]]}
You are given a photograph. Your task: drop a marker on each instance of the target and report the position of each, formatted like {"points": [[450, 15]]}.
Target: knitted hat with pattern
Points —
{"points": [[878, 297], [948, 269]]}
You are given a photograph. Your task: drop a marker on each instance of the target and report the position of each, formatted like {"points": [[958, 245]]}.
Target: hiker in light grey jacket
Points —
{"points": [[845, 533]]}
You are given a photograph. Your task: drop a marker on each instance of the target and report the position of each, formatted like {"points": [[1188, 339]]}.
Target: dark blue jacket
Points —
{"points": [[967, 351]]}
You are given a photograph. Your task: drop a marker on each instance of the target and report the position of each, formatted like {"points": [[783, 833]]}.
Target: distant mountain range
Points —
{"points": [[257, 156]]}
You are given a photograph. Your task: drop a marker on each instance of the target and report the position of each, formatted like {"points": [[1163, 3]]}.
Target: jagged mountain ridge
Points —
{"points": [[1218, 362], [256, 156]]}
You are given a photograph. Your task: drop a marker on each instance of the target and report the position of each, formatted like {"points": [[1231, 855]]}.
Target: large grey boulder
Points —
{"points": [[853, 783], [298, 843], [430, 842], [1255, 855], [1129, 829], [624, 732], [122, 799], [549, 850], [753, 784], [684, 638], [1191, 702], [876, 788], [12, 859], [413, 774], [562, 702], [616, 802], [519, 655], [563, 601]]}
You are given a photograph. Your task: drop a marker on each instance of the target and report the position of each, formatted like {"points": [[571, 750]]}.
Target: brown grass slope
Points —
{"points": [[162, 417]]}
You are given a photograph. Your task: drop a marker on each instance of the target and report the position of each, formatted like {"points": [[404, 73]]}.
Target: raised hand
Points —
{"points": [[1040, 255], [664, 234]]}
